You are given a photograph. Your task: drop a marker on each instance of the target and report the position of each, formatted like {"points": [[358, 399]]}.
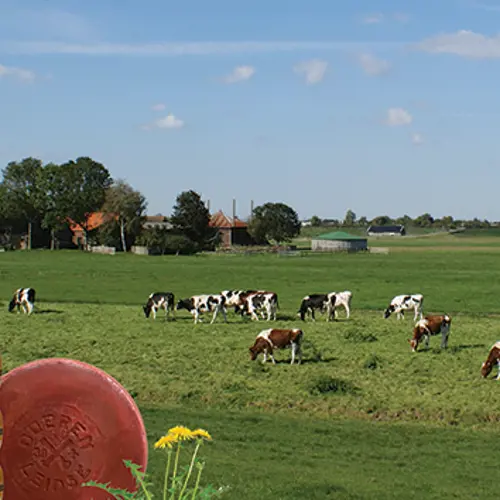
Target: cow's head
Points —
{"points": [[486, 368], [12, 304], [388, 312], [147, 310], [257, 348]]}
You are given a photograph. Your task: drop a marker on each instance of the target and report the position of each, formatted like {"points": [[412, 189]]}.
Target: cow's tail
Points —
{"points": [[277, 302]]}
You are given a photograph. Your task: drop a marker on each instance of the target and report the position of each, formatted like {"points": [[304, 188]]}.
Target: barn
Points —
{"points": [[338, 241], [397, 230], [232, 231]]}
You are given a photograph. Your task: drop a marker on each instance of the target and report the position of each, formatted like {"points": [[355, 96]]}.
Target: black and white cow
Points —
{"points": [[265, 303], [159, 300], [25, 298], [236, 298], [401, 303], [343, 299], [324, 302], [199, 304]]}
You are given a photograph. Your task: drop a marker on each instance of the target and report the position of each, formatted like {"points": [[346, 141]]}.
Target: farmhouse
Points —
{"points": [[338, 241], [397, 230], [232, 231], [156, 221], [95, 220]]}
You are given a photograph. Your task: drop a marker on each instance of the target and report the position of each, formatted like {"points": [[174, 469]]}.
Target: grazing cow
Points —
{"points": [[198, 304], [267, 340], [400, 303], [321, 301], [235, 298], [493, 358], [431, 325], [25, 298], [159, 300], [343, 299], [264, 302]]}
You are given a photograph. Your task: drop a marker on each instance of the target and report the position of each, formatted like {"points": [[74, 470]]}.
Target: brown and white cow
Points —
{"points": [[431, 325], [274, 338], [492, 359], [198, 304], [261, 302]]}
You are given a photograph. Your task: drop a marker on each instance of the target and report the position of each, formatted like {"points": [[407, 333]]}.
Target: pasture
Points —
{"points": [[362, 417]]}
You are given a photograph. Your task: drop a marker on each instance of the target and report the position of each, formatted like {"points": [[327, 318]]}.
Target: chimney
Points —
{"points": [[234, 211], [208, 205], [251, 208]]}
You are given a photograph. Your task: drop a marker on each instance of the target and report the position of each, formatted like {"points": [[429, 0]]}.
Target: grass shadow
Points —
{"points": [[48, 311]]}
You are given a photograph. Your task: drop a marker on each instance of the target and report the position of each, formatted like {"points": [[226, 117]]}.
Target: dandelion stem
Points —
{"points": [[197, 484], [143, 486], [174, 473], [198, 444], [167, 470]]}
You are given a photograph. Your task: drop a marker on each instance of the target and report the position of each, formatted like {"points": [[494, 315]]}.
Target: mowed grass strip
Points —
{"points": [[281, 457]]}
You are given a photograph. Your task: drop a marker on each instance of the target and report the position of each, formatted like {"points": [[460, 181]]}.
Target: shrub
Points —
{"points": [[327, 385]]}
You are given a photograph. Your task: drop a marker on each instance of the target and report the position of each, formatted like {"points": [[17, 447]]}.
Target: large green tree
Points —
{"points": [[191, 218], [128, 206], [88, 181], [350, 218], [54, 198], [274, 221], [21, 188]]}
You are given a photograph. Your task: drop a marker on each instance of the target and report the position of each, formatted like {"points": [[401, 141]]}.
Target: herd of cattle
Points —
{"points": [[255, 303]]}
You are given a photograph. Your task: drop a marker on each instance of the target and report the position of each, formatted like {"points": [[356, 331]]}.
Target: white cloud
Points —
{"points": [[239, 74], [463, 43], [171, 49], [169, 122], [416, 139], [21, 74], [373, 19], [397, 117], [313, 70], [372, 65], [158, 107]]}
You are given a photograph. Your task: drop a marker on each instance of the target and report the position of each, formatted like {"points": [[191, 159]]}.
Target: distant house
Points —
{"points": [[232, 231], [338, 241], [95, 221], [397, 230], [153, 221]]}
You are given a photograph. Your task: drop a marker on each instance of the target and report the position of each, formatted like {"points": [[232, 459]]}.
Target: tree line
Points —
{"points": [[425, 221], [51, 197]]}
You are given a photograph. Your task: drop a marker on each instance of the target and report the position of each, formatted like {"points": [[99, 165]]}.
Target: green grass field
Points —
{"points": [[361, 418]]}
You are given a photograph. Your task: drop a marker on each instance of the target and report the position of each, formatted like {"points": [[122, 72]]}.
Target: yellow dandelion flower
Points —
{"points": [[166, 441], [181, 433], [202, 433]]}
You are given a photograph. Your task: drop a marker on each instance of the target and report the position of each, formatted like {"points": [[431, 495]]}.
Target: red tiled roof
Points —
{"points": [[220, 220], [155, 218], [95, 220]]}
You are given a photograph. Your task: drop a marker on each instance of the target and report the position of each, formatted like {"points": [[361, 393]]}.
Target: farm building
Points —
{"points": [[386, 230], [232, 231], [338, 241]]}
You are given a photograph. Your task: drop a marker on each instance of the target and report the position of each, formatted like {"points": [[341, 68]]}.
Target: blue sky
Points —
{"points": [[320, 104]]}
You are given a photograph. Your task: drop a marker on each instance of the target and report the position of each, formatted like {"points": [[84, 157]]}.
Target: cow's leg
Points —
{"points": [[224, 314], [30, 307], [264, 357], [293, 353], [299, 353], [255, 316], [216, 312], [313, 316], [427, 338], [154, 312], [444, 340], [271, 356], [196, 316], [347, 310], [498, 364]]}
